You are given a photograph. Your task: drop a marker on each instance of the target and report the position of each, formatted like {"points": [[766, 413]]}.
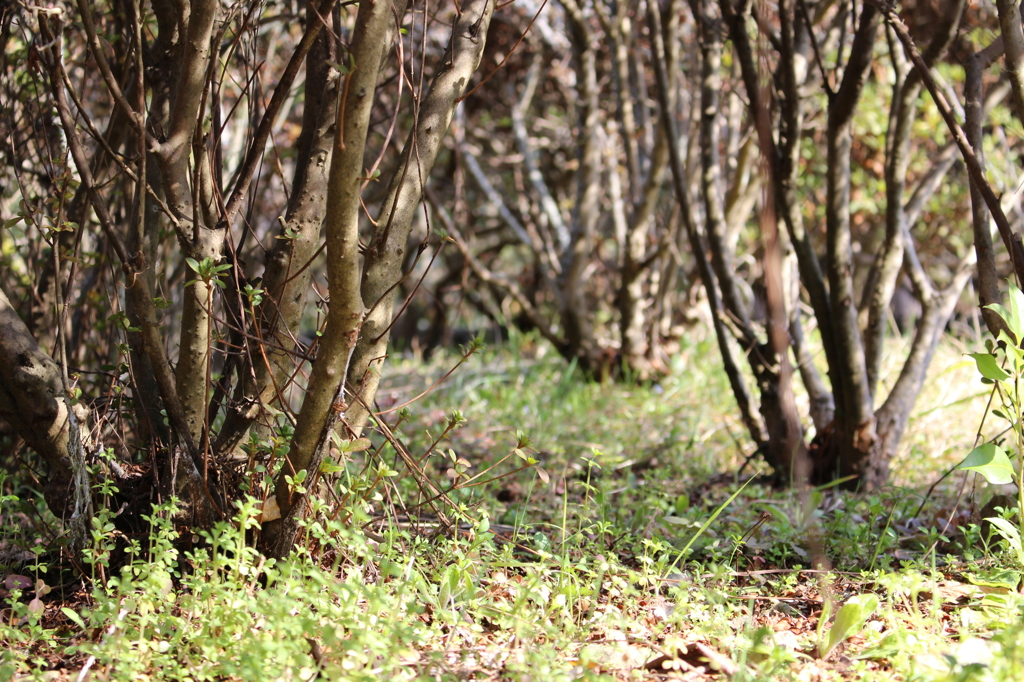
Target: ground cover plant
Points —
{"points": [[241, 239], [630, 550]]}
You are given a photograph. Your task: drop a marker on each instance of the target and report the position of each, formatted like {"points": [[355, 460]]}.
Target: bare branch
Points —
{"points": [[136, 283], [281, 93], [1012, 35], [325, 396], [385, 254], [108, 77], [680, 184], [547, 202], [974, 166], [887, 266], [495, 198]]}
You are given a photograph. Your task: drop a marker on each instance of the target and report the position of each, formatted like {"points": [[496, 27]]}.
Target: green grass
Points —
{"points": [[584, 577]]}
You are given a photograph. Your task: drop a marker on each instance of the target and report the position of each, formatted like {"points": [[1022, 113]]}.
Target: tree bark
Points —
{"points": [[664, 73], [906, 91], [1012, 35], [287, 273], [974, 114], [975, 169], [892, 417], [346, 312], [575, 311], [386, 252], [33, 401], [855, 420], [785, 161]]}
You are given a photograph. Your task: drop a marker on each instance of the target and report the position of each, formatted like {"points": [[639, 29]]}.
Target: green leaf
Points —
{"points": [[1013, 316], [1000, 310], [1016, 321], [823, 618], [1007, 530], [849, 621], [329, 466], [1010, 533], [988, 367], [990, 461], [8, 224], [73, 616], [193, 263], [356, 445], [1005, 579], [1013, 352]]}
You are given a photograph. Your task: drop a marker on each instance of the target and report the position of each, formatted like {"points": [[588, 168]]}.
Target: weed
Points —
{"points": [[618, 552]]}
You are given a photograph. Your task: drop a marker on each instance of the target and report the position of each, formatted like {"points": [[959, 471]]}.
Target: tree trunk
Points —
{"points": [[33, 401], [386, 252], [345, 315]]}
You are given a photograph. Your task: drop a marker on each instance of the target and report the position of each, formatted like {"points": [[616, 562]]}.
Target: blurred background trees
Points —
{"points": [[220, 219]]}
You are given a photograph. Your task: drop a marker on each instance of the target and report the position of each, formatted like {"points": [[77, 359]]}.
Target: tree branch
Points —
{"points": [[974, 165], [385, 255]]}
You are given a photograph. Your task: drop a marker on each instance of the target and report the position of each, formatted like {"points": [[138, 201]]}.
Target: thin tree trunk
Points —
{"points": [[974, 114], [173, 159], [631, 302], [906, 91], [575, 310], [854, 414], [345, 315], [710, 42], [287, 272], [680, 184], [386, 251], [893, 415], [975, 169], [200, 505], [1012, 35], [785, 159]]}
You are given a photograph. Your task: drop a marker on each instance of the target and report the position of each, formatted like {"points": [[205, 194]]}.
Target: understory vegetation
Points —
{"points": [[626, 551], [749, 275]]}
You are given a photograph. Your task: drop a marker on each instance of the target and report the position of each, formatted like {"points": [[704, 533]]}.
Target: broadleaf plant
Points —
{"points": [[1003, 367], [849, 621], [991, 461]]}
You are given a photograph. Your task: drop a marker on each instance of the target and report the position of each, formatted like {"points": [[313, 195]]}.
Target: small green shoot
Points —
{"points": [[711, 519], [990, 459], [849, 621]]}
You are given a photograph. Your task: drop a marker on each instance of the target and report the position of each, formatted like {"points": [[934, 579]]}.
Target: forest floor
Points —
{"points": [[596, 531]]}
